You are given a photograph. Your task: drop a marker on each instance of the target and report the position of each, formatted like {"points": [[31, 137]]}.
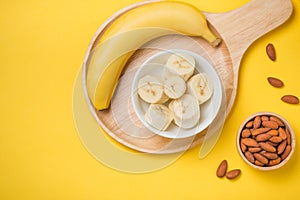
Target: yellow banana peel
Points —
{"points": [[130, 31]]}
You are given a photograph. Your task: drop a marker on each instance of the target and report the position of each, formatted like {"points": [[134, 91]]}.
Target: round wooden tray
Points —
{"points": [[238, 29]]}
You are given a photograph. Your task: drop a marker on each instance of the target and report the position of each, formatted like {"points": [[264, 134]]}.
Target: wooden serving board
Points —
{"points": [[238, 29]]}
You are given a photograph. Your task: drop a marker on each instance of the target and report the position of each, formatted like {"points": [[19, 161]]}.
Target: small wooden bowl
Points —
{"points": [[243, 148]]}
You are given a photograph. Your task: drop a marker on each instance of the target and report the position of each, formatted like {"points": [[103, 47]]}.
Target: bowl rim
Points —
{"points": [[178, 51], [286, 123]]}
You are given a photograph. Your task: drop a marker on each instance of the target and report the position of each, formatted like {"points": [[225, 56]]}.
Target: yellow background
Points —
{"points": [[42, 45]]}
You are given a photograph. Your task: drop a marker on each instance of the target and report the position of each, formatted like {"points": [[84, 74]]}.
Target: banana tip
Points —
{"points": [[216, 42]]}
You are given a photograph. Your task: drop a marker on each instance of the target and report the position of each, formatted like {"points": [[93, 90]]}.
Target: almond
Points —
{"points": [[277, 120], [282, 133], [275, 139], [249, 124], [233, 174], [286, 152], [221, 171], [246, 133], [249, 142], [267, 147], [259, 163], [263, 137], [281, 147], [275, 161], [291, 99], [261, 158], [256, 122], [259, 131], [243, 147], [264, 118], [249, 157], [275, 82], [270, 124], [270, 156], [271, 51], [254, 149], [273, 132]]}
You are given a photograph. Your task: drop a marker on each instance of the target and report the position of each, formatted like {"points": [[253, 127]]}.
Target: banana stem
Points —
{"points": [[211, 38]]}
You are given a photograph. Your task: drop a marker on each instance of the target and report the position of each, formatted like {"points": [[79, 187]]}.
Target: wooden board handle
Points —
{"points": [[241, 27]]}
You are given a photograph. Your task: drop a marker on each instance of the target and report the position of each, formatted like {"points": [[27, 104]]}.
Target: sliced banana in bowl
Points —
{"points": [[186, 111], [151, 90], [176, 93], [182, 64], [159, 116], [201, 86], [174, 86]]}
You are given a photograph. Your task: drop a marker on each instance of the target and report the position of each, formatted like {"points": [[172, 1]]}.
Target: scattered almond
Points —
{"points": [[221, 171], [275, 82], [291, 99], [233, 174], [270, 49]]}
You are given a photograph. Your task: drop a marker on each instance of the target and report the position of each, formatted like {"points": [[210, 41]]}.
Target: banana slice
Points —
{"points": [[170, 106], [186, 111], [201, 86], [181, 64], [151, 90], [174, 87], [159, 116]]}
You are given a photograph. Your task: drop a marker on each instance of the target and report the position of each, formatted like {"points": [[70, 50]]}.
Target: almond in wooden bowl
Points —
{"points": [[270, 141]]}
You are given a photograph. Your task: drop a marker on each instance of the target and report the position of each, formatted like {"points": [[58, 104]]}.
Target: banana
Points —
{"points": [[151, 90], [130, 31], [181, 64], [170, 106], [174, 87], [159, 116], [186, 111], [201, 86]]}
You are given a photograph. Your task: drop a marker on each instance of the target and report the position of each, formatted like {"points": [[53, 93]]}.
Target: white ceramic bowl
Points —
{"points": [[155, 66]]}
